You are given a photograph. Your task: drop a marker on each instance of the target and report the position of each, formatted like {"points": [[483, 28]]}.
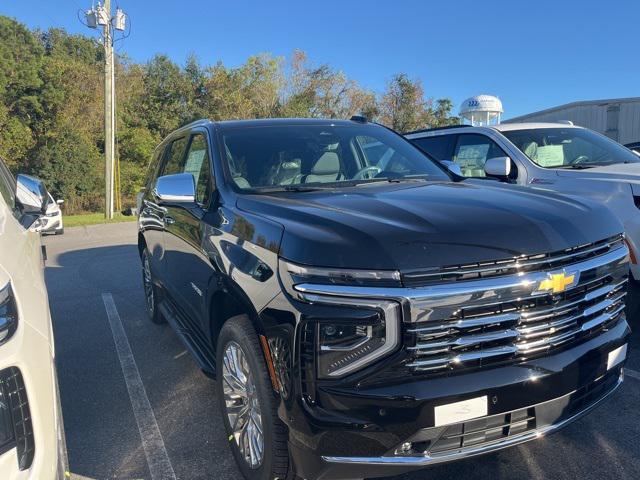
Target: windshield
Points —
{"points": [[569, 147], [306, 156]]}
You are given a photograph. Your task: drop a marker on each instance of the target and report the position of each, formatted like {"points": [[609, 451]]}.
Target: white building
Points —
{"points": [[617, 118]]}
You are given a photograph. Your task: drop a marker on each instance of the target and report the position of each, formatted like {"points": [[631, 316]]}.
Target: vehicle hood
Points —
{"points": [[619, 172], [409, 226]]}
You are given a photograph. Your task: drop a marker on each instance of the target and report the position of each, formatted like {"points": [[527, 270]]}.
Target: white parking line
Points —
{"points": [[632, 373], [159, 464]]}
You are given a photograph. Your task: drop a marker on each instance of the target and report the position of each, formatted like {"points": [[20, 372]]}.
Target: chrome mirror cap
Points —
{"points": [[498, 167], [31, 194], [178, 188]]}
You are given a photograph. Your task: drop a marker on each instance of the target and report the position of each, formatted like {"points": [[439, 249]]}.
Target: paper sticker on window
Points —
{"points": [[550, 156], [194, 163], [473, 153]]}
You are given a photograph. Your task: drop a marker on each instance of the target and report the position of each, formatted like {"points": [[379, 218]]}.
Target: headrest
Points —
{"points": [[327, 164], [530, 149]]}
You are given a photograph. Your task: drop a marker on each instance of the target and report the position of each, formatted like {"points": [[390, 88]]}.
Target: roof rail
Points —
{"points": [[423, 130], [194, 123]]}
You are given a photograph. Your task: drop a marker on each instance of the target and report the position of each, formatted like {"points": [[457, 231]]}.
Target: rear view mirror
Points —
{"points": [[31, 195], [498, 167], [453, 167], [178, 188]]}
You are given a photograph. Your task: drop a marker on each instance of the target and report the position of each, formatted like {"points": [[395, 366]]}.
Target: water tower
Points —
{"points": [[482, 110]]}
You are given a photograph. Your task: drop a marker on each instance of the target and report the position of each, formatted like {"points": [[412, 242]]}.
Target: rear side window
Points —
{"points": [[439, 147]]}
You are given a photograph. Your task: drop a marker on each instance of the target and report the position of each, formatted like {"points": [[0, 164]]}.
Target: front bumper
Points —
{"points": [[52, 224], [29, 354], [358, 432]]}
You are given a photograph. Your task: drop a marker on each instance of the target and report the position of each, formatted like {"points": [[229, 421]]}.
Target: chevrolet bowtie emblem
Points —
{"points": [[558, 282]]}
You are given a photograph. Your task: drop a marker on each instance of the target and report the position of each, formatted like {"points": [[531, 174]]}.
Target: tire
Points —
{"points": [[60, 232], [152, 293], [238, 333]]}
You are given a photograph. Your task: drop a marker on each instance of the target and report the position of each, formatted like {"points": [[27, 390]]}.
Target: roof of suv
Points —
{"points": [[505, 127], [502, 127], [261, 122]]}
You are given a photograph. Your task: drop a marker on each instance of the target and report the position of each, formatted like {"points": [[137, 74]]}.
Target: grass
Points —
{"points": [[94, 219]]}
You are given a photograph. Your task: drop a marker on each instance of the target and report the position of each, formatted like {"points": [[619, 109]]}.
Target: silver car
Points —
{"points": [[554, 156]]}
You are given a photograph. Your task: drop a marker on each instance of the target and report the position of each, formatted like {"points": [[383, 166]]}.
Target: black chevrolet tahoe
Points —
{"points": [[365, 312]]}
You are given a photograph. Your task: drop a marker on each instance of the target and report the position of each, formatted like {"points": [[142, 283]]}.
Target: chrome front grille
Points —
{"points": [[510, 266], [512, 321]]}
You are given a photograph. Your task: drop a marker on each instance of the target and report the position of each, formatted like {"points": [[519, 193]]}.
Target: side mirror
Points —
{"points": [[178, 188], [31, 195], [498, 167], [453, 167], [59, 201]]}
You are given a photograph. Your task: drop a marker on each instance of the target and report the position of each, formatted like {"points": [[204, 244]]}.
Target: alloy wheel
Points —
{"points": [[242, 405]]}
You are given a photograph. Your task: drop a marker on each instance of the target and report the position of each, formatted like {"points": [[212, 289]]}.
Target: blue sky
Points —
{"points": [[533, 55]]}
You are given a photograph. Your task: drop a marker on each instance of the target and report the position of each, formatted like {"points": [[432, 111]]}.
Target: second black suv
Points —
{"points": [[364, 312]]}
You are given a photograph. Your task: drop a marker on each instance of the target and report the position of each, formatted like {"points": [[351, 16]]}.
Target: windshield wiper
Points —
{"points": [[577, 166], [407, 179], [303, 188]]}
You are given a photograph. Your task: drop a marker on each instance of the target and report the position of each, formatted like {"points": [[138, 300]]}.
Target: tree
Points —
{"points": [[166, 92], [320, 91], [51, 105], [403, 106]]}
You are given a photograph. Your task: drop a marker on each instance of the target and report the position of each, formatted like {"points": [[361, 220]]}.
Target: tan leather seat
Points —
{"points": [[326, 169]]}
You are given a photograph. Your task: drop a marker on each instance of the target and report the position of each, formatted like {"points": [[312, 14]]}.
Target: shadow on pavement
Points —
{"points": [[104, 441]]}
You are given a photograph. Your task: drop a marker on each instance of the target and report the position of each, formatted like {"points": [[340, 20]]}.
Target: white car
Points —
{"points": [[553, 156], [51, 221], [31, 428]]}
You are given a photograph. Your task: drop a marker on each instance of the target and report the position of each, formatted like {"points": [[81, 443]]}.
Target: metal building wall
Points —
{"points": [[618, 119]]}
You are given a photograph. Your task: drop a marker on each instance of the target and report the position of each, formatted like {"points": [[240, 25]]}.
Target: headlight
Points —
{"points": [[345, 345], [8, 314]]}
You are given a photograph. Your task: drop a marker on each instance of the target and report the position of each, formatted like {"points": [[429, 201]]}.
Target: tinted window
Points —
{"points": [[438, 147], [276, 155], [197, 163], [7, 186], [472, 152], [174, 157], [569, 147], [153, 167]]}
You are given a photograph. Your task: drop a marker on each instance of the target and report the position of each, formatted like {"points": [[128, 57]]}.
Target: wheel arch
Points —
{"points": [[225, 303]]}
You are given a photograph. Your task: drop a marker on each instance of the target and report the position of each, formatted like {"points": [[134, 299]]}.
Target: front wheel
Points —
{"points": [[256, 435]]}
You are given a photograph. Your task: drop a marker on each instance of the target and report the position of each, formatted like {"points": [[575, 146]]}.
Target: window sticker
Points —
{"points": [[473, 153], [194, 163], [550, 156]]}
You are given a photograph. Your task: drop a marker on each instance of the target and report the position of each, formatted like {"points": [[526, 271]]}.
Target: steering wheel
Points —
{"points": [[579, 159], [367, 172]]}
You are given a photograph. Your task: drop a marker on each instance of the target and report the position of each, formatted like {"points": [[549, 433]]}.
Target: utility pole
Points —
{"points": [[109, 113], [101, 16]]}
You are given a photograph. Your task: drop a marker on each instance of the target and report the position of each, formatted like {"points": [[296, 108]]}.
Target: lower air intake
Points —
{"points": [[13, 390]]}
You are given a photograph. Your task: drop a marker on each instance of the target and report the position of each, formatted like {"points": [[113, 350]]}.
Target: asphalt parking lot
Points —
{"points": [[136, 406]]}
